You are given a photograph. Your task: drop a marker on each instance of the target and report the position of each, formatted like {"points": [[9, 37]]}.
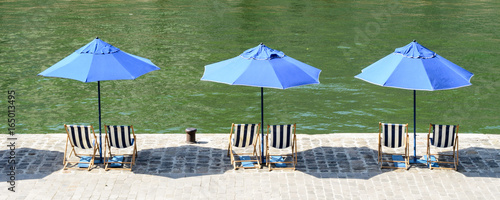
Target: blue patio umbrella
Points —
{"points": [[100, 61], [262, 67], [414, 67]]}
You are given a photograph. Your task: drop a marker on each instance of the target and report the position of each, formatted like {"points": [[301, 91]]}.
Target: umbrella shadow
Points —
{"points": [[182, 161], [361, 163], [479, 162], [31, 163], [192, 160], [339, 162]]}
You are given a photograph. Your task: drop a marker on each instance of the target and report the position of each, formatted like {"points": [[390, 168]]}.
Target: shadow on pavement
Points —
{"points": [[361, 163], [193, 160], [321, 162], [339, 162], [31, 163], [182, 161], [479, 162]]}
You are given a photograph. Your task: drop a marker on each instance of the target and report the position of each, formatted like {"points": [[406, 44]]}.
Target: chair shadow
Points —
{"points": [[31, 163]]}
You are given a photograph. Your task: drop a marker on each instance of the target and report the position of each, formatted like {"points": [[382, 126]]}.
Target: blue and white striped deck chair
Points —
{"points": [[442, 136], [120, 137], [80, 137], [242, 137], [281, 137], [394, 136]]}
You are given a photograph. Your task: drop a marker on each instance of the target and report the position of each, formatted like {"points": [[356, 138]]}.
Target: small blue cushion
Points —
{"points": [[278, 159], [398, 158], [115, 159], [432, 159], [246, 164], [84, 159]]}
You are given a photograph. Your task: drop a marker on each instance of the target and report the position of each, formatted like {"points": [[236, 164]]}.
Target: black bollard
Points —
{"points": [[191, 135]]}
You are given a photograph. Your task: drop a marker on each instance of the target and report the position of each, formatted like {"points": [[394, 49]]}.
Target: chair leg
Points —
{"points": [[65, 150], [407, 152], [136, 155], [380, 156], [92, 160], [64, 159], [105, 155], [231, 155], [233, 161], [296, 155], [268, 164], [429, 161], [455, 158], [133, 158]]}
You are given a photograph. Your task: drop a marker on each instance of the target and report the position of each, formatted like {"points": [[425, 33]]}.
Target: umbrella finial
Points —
{"points": [[262, 43], [415, 50]]}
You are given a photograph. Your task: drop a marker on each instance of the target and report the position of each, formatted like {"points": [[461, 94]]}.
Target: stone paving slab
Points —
{"points": [[330, 166]]}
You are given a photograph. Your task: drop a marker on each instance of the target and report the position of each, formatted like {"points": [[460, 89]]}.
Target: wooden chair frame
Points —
{"points": [[73, 151], [406, 155], [293, 154], [454, 154], [256, 151], [110, 155]]}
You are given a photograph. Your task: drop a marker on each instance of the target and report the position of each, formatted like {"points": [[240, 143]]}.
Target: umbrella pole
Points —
{"points": [[420, 161], [100, 138], [414, 126], [262, 123]]}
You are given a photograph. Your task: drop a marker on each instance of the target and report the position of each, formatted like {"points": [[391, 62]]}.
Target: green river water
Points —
{"points": [[340, 37]]}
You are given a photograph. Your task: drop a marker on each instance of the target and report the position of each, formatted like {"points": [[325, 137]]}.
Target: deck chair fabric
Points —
{"points": [[80, 137], [243, 136], [393, 136], [281, 137], [120, 137], [442, 136]]}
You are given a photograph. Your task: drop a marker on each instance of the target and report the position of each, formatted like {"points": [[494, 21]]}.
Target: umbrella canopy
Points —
{"points": [[414, 67], [262, 67], [100, 61]]}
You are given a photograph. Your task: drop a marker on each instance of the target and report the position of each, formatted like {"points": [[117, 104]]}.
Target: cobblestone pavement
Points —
{"points": [[332, 166]]}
